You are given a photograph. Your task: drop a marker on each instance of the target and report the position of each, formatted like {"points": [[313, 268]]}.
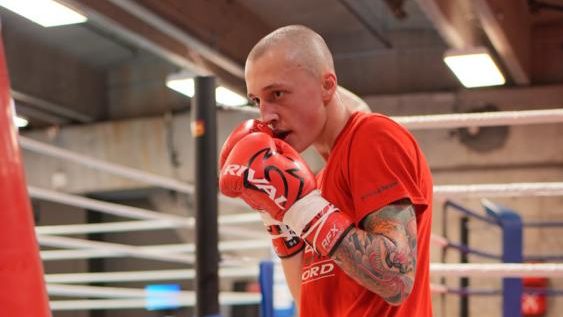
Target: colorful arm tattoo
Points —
{"points": [[382, 257]]}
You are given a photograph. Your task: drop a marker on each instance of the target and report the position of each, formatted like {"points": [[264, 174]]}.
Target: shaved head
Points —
{"points": [[290, 77], [302, 46]]}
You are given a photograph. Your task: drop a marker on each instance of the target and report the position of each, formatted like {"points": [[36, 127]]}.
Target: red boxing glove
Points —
{"points": [[270, 176], [244, 129], [264, 175], [284, 240]]}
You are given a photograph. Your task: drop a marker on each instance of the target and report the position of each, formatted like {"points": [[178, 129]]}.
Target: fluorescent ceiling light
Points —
{"points": [[20, 122], [184, 83], [228, 97], [185, 86], [474, 67], [44, 12]]}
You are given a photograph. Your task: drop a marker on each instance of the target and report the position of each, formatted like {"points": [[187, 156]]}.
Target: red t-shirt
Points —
{"points": [[374, 162]]}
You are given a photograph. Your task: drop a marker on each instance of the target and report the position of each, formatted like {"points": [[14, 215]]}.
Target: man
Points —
{"points": [[355, 241]]}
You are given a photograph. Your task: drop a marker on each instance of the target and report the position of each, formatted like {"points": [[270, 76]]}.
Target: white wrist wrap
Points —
{"points": [[304, 210], [284, 230], [268, 220]]}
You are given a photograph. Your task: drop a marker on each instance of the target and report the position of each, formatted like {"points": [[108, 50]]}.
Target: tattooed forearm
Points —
{"points": [[382, 257]]}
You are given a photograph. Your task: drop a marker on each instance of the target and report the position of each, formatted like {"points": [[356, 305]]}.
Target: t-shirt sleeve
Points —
{"points": [[383, 168]]}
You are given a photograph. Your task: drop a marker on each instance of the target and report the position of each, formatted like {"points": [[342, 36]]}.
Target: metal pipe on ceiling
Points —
{"points": [[137, 39], [180, 35], [50, 107], [30, 112], [360, 15]]}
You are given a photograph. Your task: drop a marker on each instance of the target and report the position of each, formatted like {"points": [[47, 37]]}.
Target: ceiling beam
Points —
{"points": [[119, 21], [454, 21], [225, 26], [357, 9], [163, 25], [507, 25], [153, 26], [49, 84], [50, 110], [547, 53]]}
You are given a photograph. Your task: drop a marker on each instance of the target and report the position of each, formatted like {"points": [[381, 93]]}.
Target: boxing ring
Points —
{"points": [[73, 285]]}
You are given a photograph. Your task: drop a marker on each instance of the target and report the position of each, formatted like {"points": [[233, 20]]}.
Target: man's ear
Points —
{"points": [[329, 85]]}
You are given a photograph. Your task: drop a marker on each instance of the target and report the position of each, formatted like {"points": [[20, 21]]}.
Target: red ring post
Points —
{"points": [[22, 288]]}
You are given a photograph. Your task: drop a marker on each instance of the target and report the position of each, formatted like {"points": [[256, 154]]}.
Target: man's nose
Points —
{"points": [[267, 114]]}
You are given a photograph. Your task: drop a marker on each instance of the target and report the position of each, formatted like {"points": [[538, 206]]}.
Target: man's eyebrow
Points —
{"points": [[269, 87], [272, 86]]}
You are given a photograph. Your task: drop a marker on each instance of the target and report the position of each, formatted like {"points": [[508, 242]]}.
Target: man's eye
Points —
{"points": [[255, 101], [278, 94]]}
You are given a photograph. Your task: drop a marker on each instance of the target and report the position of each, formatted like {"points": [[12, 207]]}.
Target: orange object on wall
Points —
{"points": [[534, 304]]}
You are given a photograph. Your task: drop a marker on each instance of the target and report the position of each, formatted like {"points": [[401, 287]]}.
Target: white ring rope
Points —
{"points": [[97, 291], [183, 297], [498, 270], [154, 275], [481, 119], [108, 249], [115, 169], [87, 253], [512, 270], [84, 252], [112, 168], [117, 226], [106, 207], [187, 299], [129, 250], [138, 213], [498, 190], [141, 225]]}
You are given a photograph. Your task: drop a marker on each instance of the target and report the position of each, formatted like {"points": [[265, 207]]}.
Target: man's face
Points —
{"points": [[289, 98]]}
